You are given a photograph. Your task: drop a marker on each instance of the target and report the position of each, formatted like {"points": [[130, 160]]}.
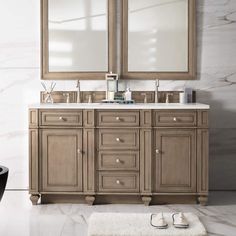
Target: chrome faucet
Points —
{"points": [[78, 92], [145, 97], [156, 90], [67, 95], [90, 98], [168, 95]]}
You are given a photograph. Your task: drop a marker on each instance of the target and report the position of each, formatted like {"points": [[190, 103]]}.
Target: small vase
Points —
{"points": [[48, 98]]}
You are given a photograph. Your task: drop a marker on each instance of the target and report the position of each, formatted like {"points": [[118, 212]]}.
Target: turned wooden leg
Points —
{"points": [[203, 200], [34, 198], [146, 200], [90, 200]]}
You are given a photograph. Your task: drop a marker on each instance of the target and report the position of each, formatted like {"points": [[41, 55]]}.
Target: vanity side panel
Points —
{"points": [[33, 161], [89, 118], [202, 160], [89, 160], [145, 152], [203, 119], [146, 161], [33, 118], [146, 118]]}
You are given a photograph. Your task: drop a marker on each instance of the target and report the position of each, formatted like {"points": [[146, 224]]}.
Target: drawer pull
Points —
{"points": [[118, 118], [62, 118], [79, 151], [118, 140], [157, 151], [175, 119], [118, 182], [118, 161]]}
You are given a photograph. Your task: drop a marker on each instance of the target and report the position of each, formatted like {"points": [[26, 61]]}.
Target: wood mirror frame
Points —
{"points": [[134, 75], [112, 65]]}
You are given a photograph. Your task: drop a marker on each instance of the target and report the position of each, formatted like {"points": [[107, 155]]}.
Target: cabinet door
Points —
{"points": [[175, 158], [61, 164]]}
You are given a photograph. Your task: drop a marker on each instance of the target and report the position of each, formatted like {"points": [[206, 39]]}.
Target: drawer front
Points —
{"points": [[118, 118], [118, 139], [175, 118], [118, 160], [61, 118], [118, 182]]}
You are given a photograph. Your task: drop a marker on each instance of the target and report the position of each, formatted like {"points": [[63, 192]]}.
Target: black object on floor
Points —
{"points": [[3, 179]]}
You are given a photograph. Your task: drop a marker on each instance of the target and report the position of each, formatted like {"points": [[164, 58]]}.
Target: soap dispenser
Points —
{"points": [[128, 95]]}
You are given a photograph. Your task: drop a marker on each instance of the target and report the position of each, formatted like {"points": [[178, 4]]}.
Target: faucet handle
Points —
{"points": [[78, 84], [78, 99], [157, 83], [145, 97], [168, 97], [67, 95], [90, 97]]}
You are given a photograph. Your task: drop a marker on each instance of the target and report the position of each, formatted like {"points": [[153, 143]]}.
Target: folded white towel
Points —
{"points": [[123, 224]]}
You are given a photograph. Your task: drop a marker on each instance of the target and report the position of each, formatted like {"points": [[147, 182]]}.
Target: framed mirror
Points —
{"points": [[158, 39], [78, 39]]}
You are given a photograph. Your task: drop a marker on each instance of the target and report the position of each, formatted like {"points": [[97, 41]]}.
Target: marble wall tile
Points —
{"points": [[215, 84], [20, 88], [20, 34], [222, 159]]}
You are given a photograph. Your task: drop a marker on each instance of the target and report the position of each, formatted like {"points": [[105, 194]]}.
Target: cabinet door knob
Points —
{"points": [[118, 139], [79, 151], [118, 181], [61, 118], [117, 160], [174, 119], [157, 151], [118, 118]]}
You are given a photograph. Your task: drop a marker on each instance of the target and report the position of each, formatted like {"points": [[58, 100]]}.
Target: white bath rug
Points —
{"points": [[123, 224]]}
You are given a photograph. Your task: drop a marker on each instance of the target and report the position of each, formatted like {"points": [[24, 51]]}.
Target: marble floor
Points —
{"points": [[19, 218]]}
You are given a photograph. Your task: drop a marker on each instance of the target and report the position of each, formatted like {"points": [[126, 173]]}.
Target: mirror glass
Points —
{"points": [[158, 35], [78, 35]]}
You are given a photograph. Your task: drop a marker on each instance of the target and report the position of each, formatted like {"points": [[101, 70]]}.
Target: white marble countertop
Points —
{"points": [[159, 106]]}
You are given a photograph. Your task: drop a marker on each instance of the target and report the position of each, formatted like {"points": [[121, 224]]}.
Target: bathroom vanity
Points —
{"points": [[102, 153], [118, 153]]}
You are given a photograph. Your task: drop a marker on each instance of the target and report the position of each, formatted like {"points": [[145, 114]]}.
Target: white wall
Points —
{"points": [[20, 84]]}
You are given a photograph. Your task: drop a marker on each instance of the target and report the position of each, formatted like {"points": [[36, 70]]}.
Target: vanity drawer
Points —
{"points": [[61, 118], [175, 118], [118, 160], [118, 182], [118, 139], [118, 118]]}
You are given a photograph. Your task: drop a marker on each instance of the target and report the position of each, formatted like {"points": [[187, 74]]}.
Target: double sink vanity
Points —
{"points": [[103, 153]]}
